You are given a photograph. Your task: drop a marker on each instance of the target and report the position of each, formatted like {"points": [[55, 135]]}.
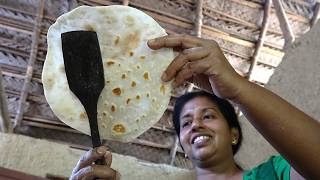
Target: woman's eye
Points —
{"points": [[186, 123], [208, 116]]}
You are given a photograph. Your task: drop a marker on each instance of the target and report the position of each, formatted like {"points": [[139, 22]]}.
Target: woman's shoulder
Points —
{"points": [[275, 168]]}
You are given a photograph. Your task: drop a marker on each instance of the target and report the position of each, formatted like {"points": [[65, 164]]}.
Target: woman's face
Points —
{"points": [[204, 132]]}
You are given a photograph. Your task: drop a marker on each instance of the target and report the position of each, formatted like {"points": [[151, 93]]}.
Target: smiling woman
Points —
{"points": [[207, 125]]}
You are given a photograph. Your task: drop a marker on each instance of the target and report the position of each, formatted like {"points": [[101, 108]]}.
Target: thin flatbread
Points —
{"points": [[134, 97]]}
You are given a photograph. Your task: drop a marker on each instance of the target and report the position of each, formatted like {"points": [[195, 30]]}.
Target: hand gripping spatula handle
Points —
{"points": [[84, 70]]}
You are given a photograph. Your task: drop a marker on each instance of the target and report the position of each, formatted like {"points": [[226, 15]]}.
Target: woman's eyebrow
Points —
{"points": [[186, 115], [211, 108]]}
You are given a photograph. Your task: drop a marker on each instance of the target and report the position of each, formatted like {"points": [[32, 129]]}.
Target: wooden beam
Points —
{"points": [[29, 72], [262, 36], [125, 2], [284, 23], [5, 122], [199, 17], [173, 150], [316, 14]]}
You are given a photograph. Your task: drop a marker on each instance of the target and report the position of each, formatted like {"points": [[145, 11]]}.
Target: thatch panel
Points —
{"points": [[16, 15], [247, 33], [300, 7], [177, 8], [297, 27], [240, 49], [40, 110], [158, 136], [249, 14], [15, 40], [181, 161], [12, 83], [176, 29], [165, 120], [10, 59]]}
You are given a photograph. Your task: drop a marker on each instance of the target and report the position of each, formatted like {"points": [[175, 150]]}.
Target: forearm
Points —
{"points": [[293, 133]]}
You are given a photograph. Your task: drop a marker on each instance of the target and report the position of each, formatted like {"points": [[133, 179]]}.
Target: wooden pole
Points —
{"points": [[125, 2], [316, 14], [29, 72], [284, 23], [262, 36], [5, 122], [173, 150], [199, 17]]}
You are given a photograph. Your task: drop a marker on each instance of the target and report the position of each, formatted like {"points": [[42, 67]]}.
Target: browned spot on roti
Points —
{"points": [[107, 81], [104, 125], [104, 113], [153, 99], [148, 95], [129, 20], [162, 89], [131, 53], [133, 84], [50, 83], [116, 42], [142, 57], [128, 100], [116, 91], [83, 115], [123, 76], [137, 97], [138, 67], [88, 27], [119, 128], [61, 69], [109, 63], [146, 76], [131, 41], [113, 108]]}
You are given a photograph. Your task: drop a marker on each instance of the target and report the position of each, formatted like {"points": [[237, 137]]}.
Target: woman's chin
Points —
{"points": [[203, 153]]}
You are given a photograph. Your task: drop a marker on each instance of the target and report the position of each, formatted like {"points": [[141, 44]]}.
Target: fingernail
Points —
{"points": [[164, 76], [101, 150], [151, 41]]}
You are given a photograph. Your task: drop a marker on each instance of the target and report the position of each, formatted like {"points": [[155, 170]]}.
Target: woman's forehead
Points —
{"points": [[199, 103]]}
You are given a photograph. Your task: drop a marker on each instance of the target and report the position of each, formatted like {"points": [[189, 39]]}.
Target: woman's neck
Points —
{"points": [[226, 169]]}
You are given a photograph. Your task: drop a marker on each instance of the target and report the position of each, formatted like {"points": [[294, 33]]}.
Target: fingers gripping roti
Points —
{"points": [[134, 97]]}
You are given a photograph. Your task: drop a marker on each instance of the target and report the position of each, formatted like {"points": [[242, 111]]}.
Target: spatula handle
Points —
{"points": [[91, 109]]}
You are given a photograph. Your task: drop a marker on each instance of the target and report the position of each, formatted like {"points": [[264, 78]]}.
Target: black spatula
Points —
{"points": [[84, 70]]}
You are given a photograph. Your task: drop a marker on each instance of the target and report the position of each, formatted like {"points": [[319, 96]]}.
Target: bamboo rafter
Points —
{"points": [[284, 23], [125, 2], [199, 17], [29, 72], [5, 122], [262, 36], [316, 14]]}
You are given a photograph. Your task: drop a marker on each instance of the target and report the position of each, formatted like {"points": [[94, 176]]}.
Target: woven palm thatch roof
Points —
{"points": [[252, 35]]}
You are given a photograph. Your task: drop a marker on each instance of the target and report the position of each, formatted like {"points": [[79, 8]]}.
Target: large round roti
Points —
{"points": [[134, 97]]}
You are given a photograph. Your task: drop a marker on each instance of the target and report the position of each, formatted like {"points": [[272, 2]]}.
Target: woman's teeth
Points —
{"points": [[200, 139]]}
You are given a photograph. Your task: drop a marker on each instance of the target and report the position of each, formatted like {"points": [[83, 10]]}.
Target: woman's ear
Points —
{"points": [[234, 136]]}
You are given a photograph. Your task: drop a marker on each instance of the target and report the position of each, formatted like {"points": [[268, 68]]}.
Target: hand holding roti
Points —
{"points": [[199, 57]]}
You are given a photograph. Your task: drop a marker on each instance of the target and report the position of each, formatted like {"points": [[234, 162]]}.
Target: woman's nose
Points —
{"points": [[196, 124]]}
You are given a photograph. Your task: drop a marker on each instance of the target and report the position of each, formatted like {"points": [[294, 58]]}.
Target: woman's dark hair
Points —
{"points": [[224, 106]]}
